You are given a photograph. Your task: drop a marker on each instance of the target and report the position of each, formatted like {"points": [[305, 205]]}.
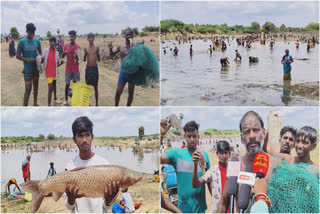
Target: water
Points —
{"points": [[11, 161], [200, 81]]}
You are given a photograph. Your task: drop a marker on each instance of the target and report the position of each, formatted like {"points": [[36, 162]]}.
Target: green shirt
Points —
{"points": [[29, 49], [191, 200]]}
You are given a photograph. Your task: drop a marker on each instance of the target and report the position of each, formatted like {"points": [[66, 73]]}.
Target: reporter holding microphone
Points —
{"points": [[260, 199]]}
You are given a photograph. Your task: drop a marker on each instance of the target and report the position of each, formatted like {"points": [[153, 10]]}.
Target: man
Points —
{"points": [[124, 77], [51, 63], [297, 44], [253, 59], [224, 61], [190, 200], [175, 51], [92, 73], [126, 201], [237, 56], [26, 168], [287, 138], [191, 51], [252, 136], [286, 61], [216, 175], [83, 137], [52, 170], [27, 51], [72, 67]]}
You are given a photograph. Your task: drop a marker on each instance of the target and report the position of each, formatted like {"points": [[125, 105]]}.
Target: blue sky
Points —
{"points": [[290, 13], [229, 117], [83, 16], [58, 121]]}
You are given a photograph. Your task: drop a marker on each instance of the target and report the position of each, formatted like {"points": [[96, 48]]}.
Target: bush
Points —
{"points": [[14, 33]]}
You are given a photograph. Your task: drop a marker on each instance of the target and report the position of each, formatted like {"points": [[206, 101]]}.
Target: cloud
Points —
{"points": [[58, 121], [242, 12], [84, 16]]}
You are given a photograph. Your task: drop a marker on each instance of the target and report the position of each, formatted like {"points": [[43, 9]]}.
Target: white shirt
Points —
{"points": [[86, 204], [127, 202]]}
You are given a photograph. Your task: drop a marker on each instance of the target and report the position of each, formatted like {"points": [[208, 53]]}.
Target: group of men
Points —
{"points": [[191, 179], [29, 48]]}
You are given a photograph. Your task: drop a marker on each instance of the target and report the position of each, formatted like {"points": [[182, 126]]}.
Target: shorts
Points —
{"points": [[124, 78], [92, 75], [287, 76], [50, 79], [29, 75], [75, 77]]}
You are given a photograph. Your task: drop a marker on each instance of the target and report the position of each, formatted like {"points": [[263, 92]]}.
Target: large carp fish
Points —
{"points": [[91, 181]]}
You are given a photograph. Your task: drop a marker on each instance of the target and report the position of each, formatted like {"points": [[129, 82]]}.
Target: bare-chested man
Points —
{"points": [[92, 73], [124, 77]]}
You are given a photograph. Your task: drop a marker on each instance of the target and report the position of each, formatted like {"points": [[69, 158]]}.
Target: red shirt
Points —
{"points": [[24, 170], [51, 64], [72, 64], [183, 146], [223, 173]]}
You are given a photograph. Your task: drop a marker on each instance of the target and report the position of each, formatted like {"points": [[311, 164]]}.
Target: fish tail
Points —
{"points": [[37, 197]]}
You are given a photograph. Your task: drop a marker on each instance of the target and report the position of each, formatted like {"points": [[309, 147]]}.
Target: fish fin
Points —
{"points": [[37, 197], [78, 168], [57, 195]]}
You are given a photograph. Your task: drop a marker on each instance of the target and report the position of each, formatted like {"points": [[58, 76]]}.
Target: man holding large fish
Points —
{"points": [[90, 183]]}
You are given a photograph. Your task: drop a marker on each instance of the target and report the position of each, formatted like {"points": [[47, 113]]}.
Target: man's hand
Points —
{"points": [[196, 156], [164, 126], [111, 193], [33, 60], [260, 186], [110, 45], [72, 193]]}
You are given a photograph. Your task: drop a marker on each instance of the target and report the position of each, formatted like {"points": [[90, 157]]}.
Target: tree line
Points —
{"points": [[173, 25]]}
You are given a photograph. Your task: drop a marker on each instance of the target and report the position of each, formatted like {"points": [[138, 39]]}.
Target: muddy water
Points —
{"points": [[144, 161], [199, 79]]}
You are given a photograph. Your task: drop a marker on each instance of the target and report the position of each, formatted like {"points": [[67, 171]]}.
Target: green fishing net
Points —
{"points": [[294, 189], [143, 64]]}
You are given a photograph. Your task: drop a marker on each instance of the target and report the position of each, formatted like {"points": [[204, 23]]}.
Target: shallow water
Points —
{"points": [[200, 80], [11, 161]]}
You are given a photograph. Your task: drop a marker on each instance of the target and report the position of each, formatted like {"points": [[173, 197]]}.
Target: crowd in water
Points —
{"points": [[220, 43]]}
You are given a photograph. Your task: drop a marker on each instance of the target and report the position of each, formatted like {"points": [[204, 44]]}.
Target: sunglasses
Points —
{"points": [[286, 137]]}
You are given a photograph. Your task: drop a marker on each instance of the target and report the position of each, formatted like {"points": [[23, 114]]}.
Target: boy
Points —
{"points": [[52, 170], [237, 56], [27, 51], [50, 58], [72, 67], [216, 175], [126, 201], [92, 73]]}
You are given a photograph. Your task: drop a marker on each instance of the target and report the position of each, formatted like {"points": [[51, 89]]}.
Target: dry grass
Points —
{"points": [[13, 83]]}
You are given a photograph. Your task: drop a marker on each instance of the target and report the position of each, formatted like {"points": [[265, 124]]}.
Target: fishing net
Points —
{"points": [[294, 189], [143, 64]]}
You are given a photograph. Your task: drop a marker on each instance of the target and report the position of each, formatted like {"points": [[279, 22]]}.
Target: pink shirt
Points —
{"points": [[72, 64]]}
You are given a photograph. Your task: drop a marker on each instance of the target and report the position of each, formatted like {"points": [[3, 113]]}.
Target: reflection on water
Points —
{"points": [[186, 79], [143, 160]]}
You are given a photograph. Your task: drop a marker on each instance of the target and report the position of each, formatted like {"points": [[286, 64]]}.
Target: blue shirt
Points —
{"points": [[190, 200], [29, 49]]}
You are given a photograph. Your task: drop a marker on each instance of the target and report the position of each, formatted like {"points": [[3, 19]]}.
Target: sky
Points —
{"points": [[290, 13], [229, 117], [113, 122], [83, 16]]}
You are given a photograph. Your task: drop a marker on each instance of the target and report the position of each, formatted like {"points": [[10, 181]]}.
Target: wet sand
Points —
{"points": [[145, 192]]}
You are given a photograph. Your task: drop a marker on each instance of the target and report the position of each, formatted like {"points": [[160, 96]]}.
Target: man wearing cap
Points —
{"points": [[50, 58], [92, 55], [72, 67]]}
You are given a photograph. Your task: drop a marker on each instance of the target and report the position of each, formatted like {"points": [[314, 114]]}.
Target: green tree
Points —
{"points": [[135, 31], [42, 137], [313, 26], [14, 33], [255, 26], [270, 27], [48, 34], [181, 116], [51, 137], [283, 28], [141, 132], [58, 32]]}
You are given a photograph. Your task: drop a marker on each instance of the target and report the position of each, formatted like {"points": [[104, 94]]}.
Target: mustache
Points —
{"points": [[253, 141]]}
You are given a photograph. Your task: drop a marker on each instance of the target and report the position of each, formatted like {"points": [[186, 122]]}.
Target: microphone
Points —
{"points": [[261, 165], [247, 180], [232, 173]]}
